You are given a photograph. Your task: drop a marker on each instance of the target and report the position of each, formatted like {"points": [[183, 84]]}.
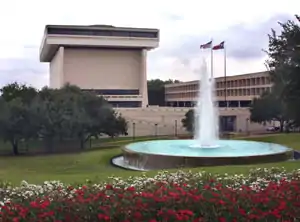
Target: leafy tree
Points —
{"points": [[15, 90], [71, 114], [60, 115], [55, 115], [15, 122], [115, 125], [15, 114], [188, 121], [266, 108], [284, 66], [156, 91]]}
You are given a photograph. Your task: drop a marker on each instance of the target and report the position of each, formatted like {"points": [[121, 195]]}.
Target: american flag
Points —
{"points": [[206, 45]]}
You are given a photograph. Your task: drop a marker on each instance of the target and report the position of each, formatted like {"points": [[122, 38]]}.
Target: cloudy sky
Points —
{"points": [[184, 25]]}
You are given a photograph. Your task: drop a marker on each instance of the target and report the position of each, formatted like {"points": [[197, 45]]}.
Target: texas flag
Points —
{"points": [[206, 45], [220, 46]]}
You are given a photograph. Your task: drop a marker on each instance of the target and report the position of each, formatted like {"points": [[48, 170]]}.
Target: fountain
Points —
{"points": [[206, 124], [206, 149]]}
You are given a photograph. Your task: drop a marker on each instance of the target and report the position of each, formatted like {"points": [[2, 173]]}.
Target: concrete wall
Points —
{"points": [[56, 69], [165, 117], [102, 69]]}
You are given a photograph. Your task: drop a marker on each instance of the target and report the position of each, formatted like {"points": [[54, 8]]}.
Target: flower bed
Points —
{"points": [[263, 195]]}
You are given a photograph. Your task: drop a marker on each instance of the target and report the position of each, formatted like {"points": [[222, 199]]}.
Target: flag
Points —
{"points": [[206, 46], [297, 17], [220, 46]]}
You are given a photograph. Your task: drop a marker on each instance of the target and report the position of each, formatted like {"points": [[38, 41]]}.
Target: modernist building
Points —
{"points": [[106, 59], [233, 96], [236, 91]]}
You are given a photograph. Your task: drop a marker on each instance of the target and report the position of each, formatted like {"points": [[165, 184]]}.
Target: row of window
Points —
{"points": [[220, 103], [114, 91], [244, 82], [93, 32], [125, 104], [243, 92], [229, 92], [250, 82]]}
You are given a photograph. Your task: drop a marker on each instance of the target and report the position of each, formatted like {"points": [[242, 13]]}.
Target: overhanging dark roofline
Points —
{"points": [[100, 27]]}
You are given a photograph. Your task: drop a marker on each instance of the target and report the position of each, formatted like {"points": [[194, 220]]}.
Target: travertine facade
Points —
{"points": [[109, 60], [234, 95], [180, 97], [238, 92]]}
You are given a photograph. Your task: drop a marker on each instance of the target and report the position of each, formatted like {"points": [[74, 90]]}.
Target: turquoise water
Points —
{"points": [[225, 148]]}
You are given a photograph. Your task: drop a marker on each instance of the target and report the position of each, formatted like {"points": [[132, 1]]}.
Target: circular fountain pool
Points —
{"points": [[163, 154]]}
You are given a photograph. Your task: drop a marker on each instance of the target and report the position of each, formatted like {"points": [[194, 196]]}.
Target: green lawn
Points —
{"points": [[94, 165], [94, 144]]}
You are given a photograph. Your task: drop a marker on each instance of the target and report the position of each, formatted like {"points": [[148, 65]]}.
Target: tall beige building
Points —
{"points": [[112, 61]]}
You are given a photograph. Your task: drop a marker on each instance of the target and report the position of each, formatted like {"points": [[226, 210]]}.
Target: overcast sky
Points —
{"points": [[184, 25]]}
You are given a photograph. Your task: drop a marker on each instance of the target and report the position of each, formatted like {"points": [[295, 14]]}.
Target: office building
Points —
{"points": [[112, 61]]}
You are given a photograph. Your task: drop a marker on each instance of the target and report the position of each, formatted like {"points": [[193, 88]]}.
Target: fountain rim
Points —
{"points": [[128, 150]]}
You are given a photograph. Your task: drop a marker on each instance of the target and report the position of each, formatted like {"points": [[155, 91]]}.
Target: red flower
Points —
{"points": [[137, 215], [103, 217], [222, 219], [131, 189], [34, 204], [242, 211], [186, 212], [109, 187]]}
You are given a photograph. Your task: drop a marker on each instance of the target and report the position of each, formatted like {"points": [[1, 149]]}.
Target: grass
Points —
{"points": [[34, 146], [94, 165]]}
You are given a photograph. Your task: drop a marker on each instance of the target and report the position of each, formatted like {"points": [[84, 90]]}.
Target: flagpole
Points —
{"points": [[211, 60], [225, 76]]}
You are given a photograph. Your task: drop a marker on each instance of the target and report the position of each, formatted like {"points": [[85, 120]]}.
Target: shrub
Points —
{"points": [[263, 195]]}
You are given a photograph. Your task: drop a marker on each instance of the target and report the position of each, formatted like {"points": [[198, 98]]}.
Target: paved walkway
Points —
{"points": [[258, 135]]}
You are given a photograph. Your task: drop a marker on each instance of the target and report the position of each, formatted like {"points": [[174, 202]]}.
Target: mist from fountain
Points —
{"points": [[206, 123]]}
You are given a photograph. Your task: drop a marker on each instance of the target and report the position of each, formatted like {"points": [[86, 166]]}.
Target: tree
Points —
{"points": [[266, 108], [115, 125], [15, 122], [188, 121], [16, 90], [71, 114], [156, 91], [284, 67], [56, 116], [15, 114]]}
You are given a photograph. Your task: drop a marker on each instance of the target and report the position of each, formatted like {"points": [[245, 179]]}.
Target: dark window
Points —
{"points": [[114, 91], [144, 34], [119, 33], [99, 33], [227, 123], [123, 104]]}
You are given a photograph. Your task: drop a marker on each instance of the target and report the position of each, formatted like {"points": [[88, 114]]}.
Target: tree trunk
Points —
{"points": [[49, 144], [15, 147], [82, 142], [281, 122]]}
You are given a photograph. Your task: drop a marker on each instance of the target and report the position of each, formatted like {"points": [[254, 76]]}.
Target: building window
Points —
{"points": [[94, 32], [124, 104], [143, 34], [114, 91]]}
